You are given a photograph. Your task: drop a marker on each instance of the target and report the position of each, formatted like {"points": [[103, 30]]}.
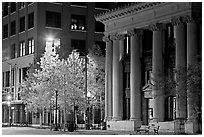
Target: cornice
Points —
{"points": [[126, 10]]}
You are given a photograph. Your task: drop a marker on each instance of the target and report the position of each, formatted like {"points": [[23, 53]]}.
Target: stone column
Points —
{"points": [[108, 78], [121, 38], [116, 80], [135, 76], [180, 39], [192, 59], [157, 70]]}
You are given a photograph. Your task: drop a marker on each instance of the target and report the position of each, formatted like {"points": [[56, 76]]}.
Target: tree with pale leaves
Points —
{"points": [[55, 76]]}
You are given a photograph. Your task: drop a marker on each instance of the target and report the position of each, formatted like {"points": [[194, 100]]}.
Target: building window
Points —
{"points": [[22, 24], [78, 22], [14, 51], [103, 5], [99, 27], [78, 3], [24, 73], [30, 46], [7, 84], [21, 5], [20, 75], [80, 45], [127, 45], [30, 20], [5, 31], [170, 106], [5, 10], [13, 28], [13, 7], [53, 19], [148, 75], [22, 48]]}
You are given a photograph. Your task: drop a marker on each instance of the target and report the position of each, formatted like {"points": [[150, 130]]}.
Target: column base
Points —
{"points": [[193, 126], [117, 118]]}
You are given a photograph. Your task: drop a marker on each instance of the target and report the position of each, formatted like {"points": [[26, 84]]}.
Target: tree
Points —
{"points": [[187, 86], [96, 77], [55, 76]]}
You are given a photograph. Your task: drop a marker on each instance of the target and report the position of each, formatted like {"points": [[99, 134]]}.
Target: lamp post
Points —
{"points": [[9, 105], [56, 126], [86, 61]]}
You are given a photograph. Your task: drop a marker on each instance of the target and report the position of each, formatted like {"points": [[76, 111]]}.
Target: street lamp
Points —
{"points": [[56, 125], [86, 61], [9, 105], [88, 107]]}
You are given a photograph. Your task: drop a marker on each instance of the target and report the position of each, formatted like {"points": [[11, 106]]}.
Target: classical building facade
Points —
{"points": [[27, 27], [143, 39]]}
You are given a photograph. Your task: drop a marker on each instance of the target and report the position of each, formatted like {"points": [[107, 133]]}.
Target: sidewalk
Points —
{"points": [[100, 132]]}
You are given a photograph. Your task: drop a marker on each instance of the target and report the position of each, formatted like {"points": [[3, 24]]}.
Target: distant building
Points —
{"points": [[27, 27], [143, 39]]}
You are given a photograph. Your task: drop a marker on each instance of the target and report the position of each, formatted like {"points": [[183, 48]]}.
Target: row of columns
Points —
{"points": [[186, 51], [114, 77]]}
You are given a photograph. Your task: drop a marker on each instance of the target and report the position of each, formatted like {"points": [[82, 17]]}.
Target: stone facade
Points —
{"points": [[162, 36]]}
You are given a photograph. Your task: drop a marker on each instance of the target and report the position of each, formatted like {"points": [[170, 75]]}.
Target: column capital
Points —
{"points": [[157, 27], [106, 38], [191, 19], [117, 37], [135, 32], [177, 21]]}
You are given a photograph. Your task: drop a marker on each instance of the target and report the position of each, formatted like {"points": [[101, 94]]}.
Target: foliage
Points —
{"points": [[186, 85], [96, 76], [65, 77]]}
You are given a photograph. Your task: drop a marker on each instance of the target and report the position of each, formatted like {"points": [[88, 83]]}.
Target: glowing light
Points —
{"points": [[9, 97], [49, 38]]}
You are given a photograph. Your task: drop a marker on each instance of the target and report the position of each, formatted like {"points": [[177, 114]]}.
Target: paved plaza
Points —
{"points": [[46, 131]]}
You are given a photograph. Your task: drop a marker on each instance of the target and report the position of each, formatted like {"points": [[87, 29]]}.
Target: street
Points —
{"points": [[37, 131]]}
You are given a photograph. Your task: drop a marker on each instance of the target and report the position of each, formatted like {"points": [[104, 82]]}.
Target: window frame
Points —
{"points": [[80, 19], [22, 48], [12, 7], [13, 30], [53, 19], [21, 5], [5, 31], [31, 46], [31, 20], [5, 9], [22, 25]]}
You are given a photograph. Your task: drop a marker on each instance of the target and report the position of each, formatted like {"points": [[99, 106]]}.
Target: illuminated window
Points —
{"points": [[127, 44], [31, 46], [22, 48], [78, 22], [21, 5]]}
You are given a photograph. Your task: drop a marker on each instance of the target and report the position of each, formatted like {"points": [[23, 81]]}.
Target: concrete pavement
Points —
{"points": [[46, 131]]}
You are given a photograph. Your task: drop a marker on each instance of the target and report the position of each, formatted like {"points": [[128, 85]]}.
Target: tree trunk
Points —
{"points": [[40, 119], [65, 119]]}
